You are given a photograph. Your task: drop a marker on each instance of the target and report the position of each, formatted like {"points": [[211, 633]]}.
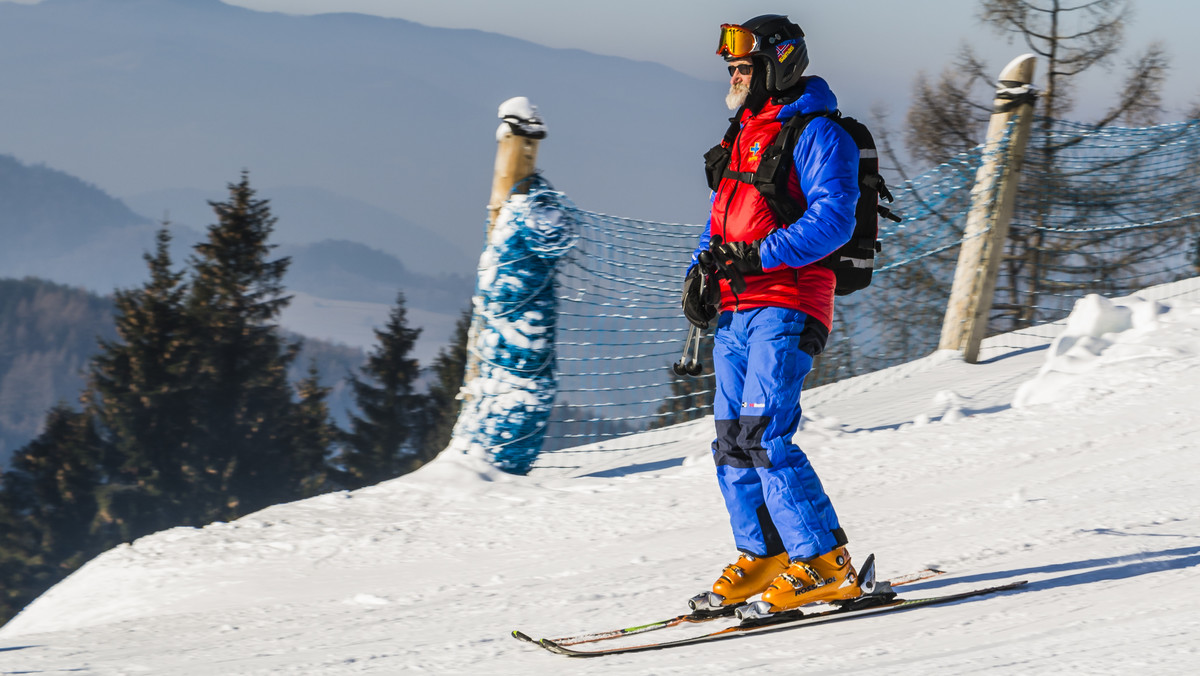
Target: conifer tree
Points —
{"points": [[188, 416], [449, 368], [383, 443], [23, 570], [314, 431], [50, 521], [242, 453], [54, 479], [139, 392]]}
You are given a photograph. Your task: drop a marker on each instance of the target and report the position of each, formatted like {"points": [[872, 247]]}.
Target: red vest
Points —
{"points": [[741, 214]]}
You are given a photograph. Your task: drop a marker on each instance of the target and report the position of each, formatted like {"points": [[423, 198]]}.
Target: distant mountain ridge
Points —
{"points": [[56, 226], [149, 95], [44, 209], [353, 271], [379, 132], [308, 215]]}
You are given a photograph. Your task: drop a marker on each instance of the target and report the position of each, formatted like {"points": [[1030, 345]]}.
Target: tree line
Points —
{"points": [[188, 415], [48, 332], [48, 336]]}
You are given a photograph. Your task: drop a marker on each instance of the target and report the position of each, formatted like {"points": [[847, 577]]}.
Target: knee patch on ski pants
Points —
{"points": [[774, 498], [761, 358]]}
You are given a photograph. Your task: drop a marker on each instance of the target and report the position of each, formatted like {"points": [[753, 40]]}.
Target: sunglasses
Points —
{"points": [[743, 68]]}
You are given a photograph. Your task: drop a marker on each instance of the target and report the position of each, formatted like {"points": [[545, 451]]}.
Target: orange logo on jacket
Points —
{"points": [[754, 151]]}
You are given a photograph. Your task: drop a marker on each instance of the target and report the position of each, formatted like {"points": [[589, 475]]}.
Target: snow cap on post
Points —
{"points": [[1015, 85], [520, 119]]}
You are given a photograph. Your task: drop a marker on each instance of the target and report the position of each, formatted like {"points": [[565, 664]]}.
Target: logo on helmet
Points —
{"points": [[784, 49]]}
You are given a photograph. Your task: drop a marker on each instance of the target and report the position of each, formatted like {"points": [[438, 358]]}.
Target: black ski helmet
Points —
{"points": [[781, 49]]}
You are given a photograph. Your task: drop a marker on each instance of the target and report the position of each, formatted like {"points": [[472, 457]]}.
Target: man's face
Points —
{"points": [[741, 70]]}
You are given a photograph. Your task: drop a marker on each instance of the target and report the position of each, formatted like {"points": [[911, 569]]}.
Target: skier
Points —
{"points": [[776, 307]]}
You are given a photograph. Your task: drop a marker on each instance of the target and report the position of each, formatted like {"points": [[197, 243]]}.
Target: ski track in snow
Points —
{"points": [[1087, 489]]}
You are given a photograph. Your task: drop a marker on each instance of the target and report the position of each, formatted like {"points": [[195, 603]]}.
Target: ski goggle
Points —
{"points": [[736, 41]]}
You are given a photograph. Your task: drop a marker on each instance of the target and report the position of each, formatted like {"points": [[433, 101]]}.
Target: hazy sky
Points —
{"points": [[893, 39], [901, 36]]}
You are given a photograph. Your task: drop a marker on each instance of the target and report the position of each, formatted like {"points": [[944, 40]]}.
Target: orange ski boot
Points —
{"points": [[828, 577], [748, 576]]}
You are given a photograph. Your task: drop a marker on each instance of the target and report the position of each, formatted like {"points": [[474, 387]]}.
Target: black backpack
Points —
{"points": [[854, 261]]}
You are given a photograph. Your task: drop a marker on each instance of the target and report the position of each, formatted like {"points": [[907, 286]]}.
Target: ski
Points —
{"points": [[790, 620], [690, 618]]}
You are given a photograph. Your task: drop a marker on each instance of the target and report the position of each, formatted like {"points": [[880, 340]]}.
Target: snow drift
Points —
{"points": [[1069, 463]]}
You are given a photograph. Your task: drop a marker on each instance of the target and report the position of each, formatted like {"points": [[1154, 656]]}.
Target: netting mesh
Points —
{"points": [[621, 328], [1098, 211]]}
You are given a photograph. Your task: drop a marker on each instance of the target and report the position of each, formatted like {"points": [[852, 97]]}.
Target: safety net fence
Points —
{"points": [[1106, 211]]}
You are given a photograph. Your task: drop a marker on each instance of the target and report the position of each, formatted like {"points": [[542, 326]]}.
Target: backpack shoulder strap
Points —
{"points": [[716, 160], [776, 166]]}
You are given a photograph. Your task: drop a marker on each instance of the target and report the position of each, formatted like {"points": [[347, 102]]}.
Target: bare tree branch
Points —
{"points": [[951, 112]]}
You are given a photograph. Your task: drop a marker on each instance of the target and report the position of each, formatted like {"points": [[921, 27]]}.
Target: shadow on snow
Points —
{"points": [[1088, 571]]}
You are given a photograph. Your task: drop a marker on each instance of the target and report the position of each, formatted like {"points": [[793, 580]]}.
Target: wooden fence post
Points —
{"points": [[516, 151], [517, 141], [992, 200]]}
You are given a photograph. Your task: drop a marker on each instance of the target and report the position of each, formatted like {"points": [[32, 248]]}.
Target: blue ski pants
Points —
{"points": [[775, 500]]}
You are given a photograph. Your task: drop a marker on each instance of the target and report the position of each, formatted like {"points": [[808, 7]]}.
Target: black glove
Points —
{"points": [[701, 295], [741, 257]]}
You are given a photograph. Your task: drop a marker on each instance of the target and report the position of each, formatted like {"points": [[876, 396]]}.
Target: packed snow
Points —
{"points": [[1086, 488], [519, 117]]}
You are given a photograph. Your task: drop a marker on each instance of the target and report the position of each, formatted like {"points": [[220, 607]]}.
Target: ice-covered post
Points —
{"points": [[992, 200], [509, 386], [517, 139]]}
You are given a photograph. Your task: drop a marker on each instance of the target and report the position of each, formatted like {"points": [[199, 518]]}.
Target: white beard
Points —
{"points": [[736, 96]]}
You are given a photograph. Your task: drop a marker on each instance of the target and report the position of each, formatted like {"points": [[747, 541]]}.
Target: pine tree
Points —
{"points": [[242, 453], [384, 441], [23, 570], [449, 368], [188, 416], [139, 392], [55, 477], [314, 432], [50, 520]]}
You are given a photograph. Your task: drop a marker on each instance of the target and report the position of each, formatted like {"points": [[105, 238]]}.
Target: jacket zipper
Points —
{"points": [[737, 302]]}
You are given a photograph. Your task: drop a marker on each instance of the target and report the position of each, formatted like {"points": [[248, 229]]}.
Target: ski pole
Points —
{"points": [[682, 367], [694, 367]]}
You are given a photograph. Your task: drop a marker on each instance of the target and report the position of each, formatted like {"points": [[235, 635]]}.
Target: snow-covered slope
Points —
{"points": [[1087, 489]]}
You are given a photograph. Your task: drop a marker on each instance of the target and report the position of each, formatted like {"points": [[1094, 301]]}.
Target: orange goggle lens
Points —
{"points": [[736, 41]]}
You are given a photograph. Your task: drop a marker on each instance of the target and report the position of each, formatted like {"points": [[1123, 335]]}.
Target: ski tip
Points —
{"points": [[522, 636], [556, 648]]}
